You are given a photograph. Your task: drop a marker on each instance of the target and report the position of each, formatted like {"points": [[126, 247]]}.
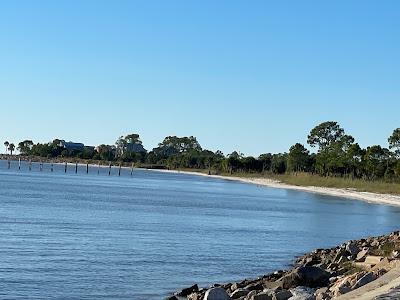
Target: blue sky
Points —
{"points": [[253, 76]]}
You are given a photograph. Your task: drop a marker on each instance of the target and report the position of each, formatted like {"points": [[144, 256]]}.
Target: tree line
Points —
{"points": [[337, 154]]}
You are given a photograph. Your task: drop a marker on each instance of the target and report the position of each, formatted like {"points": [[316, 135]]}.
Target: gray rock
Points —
{"points": [[257, 286], [302, 293], [187, 291], [238, 285], [362, 254], [312, 277], [352, 248], [367, 278], [261, 296], [216, 294], [282, 295], [239, 293]]}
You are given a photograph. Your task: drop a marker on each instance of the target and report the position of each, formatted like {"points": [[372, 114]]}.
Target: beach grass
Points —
{"points": [[361, 185]]}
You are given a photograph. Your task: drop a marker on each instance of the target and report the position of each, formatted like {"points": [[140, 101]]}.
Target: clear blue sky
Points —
{"points": [[253, 76]]}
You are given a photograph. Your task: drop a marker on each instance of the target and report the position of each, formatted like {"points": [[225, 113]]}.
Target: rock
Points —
{"points": [[187, 291], [345, 285], [302, 293], [216, 294], [257, 286], [282, 295], [322, 294], [362, 254], [194, 296], [352, 248], [367, 278], [238, 285], [395, 254], [239, 293], [261, 296], [312, 277], [172, 298], [373, 260], [384, 264]]}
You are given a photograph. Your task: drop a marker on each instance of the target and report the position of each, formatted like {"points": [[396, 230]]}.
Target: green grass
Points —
{"points": [[304, 179]]}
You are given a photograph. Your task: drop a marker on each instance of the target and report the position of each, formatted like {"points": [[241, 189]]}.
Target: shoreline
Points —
{"points": [[373, 198], [346, 193], [358, 269]]}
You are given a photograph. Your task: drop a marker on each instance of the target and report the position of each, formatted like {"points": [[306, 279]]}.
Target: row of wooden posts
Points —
{"points": [[66, 165]]}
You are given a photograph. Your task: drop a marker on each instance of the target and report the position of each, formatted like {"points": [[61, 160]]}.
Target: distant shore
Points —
{"points": [[375, 198]]}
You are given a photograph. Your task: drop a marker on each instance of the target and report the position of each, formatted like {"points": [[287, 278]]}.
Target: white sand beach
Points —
{"points": [[387, 199]]}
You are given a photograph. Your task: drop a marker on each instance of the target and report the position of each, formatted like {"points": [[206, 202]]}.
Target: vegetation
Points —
{"points": [[338, 160]]}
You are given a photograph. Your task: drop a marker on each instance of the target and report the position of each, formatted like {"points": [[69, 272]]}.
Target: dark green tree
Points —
{"points": [[25, 147], [394, 142], [298, 158], [325, 134]]}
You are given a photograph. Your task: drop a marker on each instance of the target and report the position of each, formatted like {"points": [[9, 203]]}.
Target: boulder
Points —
{"points": [[384, 264], [373, 260], [312, 277], [239, 293], [362, 254], [367, 278], [352, 248], [256, 286], [187, 291], [172, 298], [194, 296], [216, 294], [238, 285], [322, 294], [302, 293], [260, 296], [281, 295]]}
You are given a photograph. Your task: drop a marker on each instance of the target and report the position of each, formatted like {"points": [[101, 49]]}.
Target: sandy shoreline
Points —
{"points": [[375, 198]]}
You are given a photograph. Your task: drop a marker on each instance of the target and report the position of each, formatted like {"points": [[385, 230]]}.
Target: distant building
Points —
{"points": [[135, 147], [72, 146]]}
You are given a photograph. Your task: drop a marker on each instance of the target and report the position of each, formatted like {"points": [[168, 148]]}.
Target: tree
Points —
{"points": [[11, 147], [173, 145], [6, 144], [298, 158], [394, 141], [278, 164], [265, 160], [375, 162], [25, 147], [325, 134], [354, 158], [133, 138], [106, 152]]}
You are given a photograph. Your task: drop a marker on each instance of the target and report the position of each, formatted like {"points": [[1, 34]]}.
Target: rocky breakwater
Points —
{"points": [[320, 275]]}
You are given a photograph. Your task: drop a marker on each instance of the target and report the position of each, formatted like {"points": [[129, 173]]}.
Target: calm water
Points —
{"points": [[79, 236]]}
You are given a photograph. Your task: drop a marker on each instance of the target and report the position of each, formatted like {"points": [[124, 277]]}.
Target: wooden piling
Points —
{"points": [[87, 168], [30, 165], [119, 170], [76, 168], [52, 167], [98, 169], [41, 166], [19, 163], [109, 170], [65, 167], [9, 164], [132, 169]]}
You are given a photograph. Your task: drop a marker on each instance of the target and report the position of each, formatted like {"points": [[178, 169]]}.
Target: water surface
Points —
{"points": [[94, 236]]}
